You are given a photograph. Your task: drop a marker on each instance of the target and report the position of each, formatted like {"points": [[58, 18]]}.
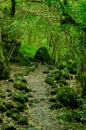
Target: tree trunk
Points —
{"points": [[4, 69], [82, 65]]}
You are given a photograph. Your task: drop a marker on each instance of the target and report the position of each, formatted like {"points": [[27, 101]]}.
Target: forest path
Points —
{"points": [[38, 113], [41, 114]]}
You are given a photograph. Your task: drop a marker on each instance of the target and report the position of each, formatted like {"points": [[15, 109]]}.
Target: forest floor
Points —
{"points": [[39, 114]]}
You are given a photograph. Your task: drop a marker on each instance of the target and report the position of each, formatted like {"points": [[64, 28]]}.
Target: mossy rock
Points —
{"points": [[11, 111], [20, 97], [15, 116], [20, 85], [20, 106], [22, 120], [9, 128], [66, 74], [19, 76], [9, 105], [68, 97], [50, 80]]}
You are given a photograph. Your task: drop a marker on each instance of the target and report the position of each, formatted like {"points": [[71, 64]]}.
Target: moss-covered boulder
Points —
{"points": [[18, 84], [9, 105], [20, 97], [42, 55], [68, 97], [14, 114], [20, 106], [50, 80], [11, 111], [22, 120]]}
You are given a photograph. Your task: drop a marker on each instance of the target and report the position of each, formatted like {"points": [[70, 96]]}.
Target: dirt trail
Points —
{"points": [[41, 113]]}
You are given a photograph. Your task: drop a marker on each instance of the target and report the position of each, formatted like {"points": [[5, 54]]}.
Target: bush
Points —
{"points": [[68, 97]]}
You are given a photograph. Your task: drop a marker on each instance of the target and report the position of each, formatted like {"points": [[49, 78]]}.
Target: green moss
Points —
{"points": [[18, 84], [50, 80], [66, 74], [68, 97], [22, 121], [20, 97], [9, 105], [10, 112], [20, 106]]}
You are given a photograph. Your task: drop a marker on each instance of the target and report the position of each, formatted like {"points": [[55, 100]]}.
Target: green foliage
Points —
{"points": [[18, 84], [28, 50], [83, 110], [68, 97]]}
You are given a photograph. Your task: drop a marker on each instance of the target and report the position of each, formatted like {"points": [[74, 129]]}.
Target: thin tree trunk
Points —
{"points": [[4, 69], [82, 68]]}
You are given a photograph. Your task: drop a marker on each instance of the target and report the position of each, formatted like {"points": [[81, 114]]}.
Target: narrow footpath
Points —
{"points": [[41, 114]]}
